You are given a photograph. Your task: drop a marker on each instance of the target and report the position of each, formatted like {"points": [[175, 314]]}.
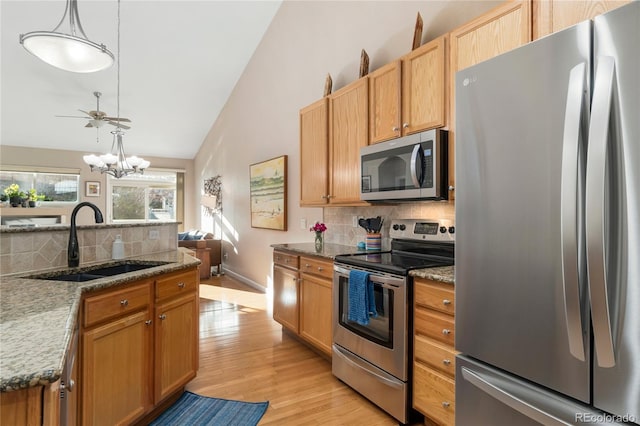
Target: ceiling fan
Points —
{"points": [[97, 118]]}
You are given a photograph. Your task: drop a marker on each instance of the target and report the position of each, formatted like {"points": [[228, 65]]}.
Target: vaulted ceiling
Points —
{"points": [[179, 62]]}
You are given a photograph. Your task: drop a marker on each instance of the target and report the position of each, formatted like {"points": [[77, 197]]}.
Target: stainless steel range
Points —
{"points": [[373, 354]]}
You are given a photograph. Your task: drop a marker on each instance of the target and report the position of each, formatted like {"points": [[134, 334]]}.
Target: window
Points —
{"points": [[150, 197], [61, 187]]}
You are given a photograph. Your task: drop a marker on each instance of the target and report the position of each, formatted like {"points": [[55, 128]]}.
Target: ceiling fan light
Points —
{"points": [[96, 123], [67, 52]]}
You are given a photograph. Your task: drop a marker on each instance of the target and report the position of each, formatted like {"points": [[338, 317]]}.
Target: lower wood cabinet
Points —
{"points": [[433, 351], [139, 345], [315, 302], [302, 295]]}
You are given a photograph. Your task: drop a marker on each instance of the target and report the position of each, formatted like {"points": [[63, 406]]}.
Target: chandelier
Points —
{"points": [[116, 163], [68, 51]]}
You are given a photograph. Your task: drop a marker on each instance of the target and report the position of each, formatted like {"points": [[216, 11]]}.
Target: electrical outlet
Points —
{"points": [[303, 223], [354, 221], [154, 234]]}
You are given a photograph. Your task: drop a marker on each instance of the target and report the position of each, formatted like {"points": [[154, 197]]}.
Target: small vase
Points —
{"points": [[319, 241]]}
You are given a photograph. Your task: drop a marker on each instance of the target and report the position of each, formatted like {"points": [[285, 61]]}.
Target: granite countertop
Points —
{"points": [[37, 318], [329, 250], [443, 274]]}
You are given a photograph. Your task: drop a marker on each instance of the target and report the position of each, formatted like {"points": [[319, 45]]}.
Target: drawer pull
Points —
{"points": [[286, 260], [320, 269], [446, 302], [446, 361], [162, 317], [446, 331], [445, 404], [306, 265], [277, 257], [124, 303], [181, 285]]}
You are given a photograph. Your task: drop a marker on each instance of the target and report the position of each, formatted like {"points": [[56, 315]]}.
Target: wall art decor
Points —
{"points": [[211, 200], [268, 194], [92, 189]]}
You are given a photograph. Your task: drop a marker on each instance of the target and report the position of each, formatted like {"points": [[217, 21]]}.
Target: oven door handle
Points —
{"points": [[386, 282], [341, 353]]}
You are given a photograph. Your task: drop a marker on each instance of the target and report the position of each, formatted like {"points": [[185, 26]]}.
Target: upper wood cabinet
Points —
{"points": [[409, 95], [501, 29], [314, 153], [552, 16], [348, 132]]}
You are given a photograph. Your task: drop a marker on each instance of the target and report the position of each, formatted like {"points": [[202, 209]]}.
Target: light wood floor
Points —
{"points": [[244, 355]]}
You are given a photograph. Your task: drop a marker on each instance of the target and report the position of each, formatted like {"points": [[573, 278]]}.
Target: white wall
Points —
{"points": [[306, 40]]}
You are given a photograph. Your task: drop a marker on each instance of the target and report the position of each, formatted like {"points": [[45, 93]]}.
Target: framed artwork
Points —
{"points": [[268, 194], [92, 189], [366, 183]]}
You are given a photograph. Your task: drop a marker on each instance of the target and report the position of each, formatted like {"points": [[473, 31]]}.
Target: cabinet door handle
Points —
{"points": [[445, 404], [148, 322], [446, 302], [446, 331], [124, 303], [162, 317], [446, 361], [395, 128], [181, 285], [324, 197], [405, 125]]}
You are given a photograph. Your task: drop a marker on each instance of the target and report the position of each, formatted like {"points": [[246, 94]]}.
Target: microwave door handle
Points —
{"points": [[595, 206], [569, 210], [417, 155]]}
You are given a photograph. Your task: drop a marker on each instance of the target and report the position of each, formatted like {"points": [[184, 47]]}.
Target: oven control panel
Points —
{"points": [[423, 229]]}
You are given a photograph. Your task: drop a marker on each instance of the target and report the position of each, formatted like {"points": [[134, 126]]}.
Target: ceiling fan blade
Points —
{"points": [[113, 123], [126, 120], [71, 116]]}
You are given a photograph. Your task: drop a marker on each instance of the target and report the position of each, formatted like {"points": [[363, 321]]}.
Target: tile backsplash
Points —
{"points": [[339, 220], [37, 250]]}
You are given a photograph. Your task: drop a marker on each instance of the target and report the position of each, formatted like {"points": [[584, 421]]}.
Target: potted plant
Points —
{"points": [[15, 195], [32, 197]]}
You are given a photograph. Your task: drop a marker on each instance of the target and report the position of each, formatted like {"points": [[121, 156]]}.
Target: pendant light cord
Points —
{"points": [[118, 72]]}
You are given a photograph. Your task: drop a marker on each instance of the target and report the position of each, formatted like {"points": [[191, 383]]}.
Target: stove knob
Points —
{"points": [[396, 227], [452, 229], [403, 227], [443, 229]]}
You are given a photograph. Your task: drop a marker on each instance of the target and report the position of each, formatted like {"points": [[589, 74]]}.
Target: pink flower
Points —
{"points": [[318, 227]]}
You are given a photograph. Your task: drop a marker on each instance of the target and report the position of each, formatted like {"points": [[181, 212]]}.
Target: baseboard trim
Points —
{"points": [[245, 280]]}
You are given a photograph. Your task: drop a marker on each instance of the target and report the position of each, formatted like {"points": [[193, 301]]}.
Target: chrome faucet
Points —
{"points": [[73, 251]]}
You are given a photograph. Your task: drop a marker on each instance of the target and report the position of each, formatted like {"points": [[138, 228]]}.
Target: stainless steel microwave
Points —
{"points": [[412, 167]]}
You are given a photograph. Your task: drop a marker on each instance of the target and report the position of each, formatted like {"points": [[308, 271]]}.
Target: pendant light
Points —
{"points": [[71, 51], [116, 163]]}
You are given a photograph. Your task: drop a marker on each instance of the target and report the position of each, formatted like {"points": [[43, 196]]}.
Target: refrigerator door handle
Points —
{"points": [[512, 396], [595, 210], [569, 208]]}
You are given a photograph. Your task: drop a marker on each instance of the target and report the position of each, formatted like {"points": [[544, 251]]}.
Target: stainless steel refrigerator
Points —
{"points": [[547, 262]]}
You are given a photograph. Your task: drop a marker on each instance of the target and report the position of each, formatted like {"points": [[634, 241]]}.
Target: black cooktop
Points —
{"points": [[404, 256]]}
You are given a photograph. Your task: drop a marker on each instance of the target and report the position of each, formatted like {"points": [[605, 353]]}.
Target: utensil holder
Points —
{"points": [[374, 241]]}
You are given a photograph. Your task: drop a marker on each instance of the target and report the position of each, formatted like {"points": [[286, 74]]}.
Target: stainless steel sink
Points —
{"points": [[96, 272]]}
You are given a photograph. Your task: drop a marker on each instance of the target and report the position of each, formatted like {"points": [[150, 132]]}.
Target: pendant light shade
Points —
{"points": [[68, 51]]}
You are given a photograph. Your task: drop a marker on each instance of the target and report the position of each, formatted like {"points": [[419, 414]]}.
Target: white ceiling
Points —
{"points": [[179, 63]]}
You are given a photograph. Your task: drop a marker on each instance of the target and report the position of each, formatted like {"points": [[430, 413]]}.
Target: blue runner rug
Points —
{"points": [[191, 409]]}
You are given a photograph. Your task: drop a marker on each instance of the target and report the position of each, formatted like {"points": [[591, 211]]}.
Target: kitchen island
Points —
{"points": [[40, 319]]}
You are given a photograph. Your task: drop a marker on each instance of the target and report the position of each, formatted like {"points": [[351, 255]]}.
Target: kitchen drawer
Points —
{"points": [[436, 325], [285, 259], [315, 266], [435, 295], [175, 284], [434, 394], [116, 303], [436, 355]]}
